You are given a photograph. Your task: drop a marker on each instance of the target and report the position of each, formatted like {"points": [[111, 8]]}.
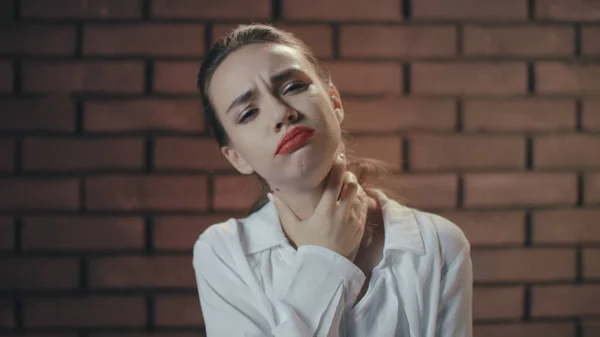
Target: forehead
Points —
{"points": [[241, 70]]}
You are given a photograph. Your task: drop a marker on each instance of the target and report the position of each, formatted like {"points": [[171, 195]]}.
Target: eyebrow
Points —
{"points": [[241, 100], [282, 75], [279, 77]]}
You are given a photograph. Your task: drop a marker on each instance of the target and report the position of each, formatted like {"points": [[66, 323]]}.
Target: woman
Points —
{"points": [[309, 261]]}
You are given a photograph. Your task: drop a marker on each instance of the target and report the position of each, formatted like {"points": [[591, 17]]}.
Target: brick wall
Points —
{"points": [[488, 109]]}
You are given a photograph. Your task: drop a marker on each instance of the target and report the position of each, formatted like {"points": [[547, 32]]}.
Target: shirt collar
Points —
{"points": [[262, 230]]}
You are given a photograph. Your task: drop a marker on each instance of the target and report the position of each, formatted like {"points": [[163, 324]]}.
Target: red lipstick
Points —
{"points": [[294, 139]]}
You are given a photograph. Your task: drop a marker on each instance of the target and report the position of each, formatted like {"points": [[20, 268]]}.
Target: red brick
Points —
{"points": [[38, 39], [39, 273], [141, 272], [63, 233], [591, 263], [497, 303], [592, 188], [566, 151], [472, 152], [523, 265], [84, 76], [591, 328], [6, 155], [566, 78], [181, 232], [176, 77], [82, 154], [147, 39], [528, 41], [235, 192], [143, 115], [566, 226], [52, 113], [225, 9], [120, 192], [565, 300], [508, 226], [366, 78], [7, 234], [39, 194], [384, 148], [590, 37], [341, 10], [319, 38], [436, 191], [7, 314], [519, 189], [397, 41], [552, 329], [220, 30], [178, 310], [567, 10], [6, 76], [389, 115], [473, 78], [66, 9], [189, 154], [528, 114], [496, 10], [87, 311], [591, 115]]}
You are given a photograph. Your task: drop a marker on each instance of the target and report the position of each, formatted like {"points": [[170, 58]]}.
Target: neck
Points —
{"points": [[304, 202]]}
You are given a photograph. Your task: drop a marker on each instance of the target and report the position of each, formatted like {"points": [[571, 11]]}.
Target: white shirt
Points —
{"points": [[252, 282]]}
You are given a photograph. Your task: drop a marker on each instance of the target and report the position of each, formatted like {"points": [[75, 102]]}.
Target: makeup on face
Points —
{"points": [[294, 139]]}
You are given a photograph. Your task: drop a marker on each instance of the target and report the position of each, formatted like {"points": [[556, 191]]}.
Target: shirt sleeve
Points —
{"points": [[455, 314], [307, 301]]}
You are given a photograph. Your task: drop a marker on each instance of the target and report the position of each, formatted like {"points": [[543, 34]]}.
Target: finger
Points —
{"points": [[355, 211], [287, 215], [364, 211], [348, 177], [360, 226], [361, 217], [358, 206], [361, 191], [334, 183], [349, 198]]}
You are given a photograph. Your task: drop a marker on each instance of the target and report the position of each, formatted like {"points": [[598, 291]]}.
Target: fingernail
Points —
{"points": [[341, 155]]}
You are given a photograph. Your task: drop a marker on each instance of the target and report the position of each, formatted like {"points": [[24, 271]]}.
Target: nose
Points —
{"points": [[289, 117]]}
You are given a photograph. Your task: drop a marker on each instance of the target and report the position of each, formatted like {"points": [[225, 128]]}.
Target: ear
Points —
{"points": [[336, 100], [237, 160]]}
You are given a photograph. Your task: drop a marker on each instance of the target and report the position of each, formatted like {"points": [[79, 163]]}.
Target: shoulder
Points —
{"points": [[238, 237], [441, 235], [216, 242]]}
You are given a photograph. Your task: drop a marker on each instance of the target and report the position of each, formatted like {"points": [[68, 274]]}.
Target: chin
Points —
{"points": [[307, 166], [312, 165]]}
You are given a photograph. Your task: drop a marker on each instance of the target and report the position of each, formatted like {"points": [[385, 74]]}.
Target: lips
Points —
{"points": [[293, 139]]}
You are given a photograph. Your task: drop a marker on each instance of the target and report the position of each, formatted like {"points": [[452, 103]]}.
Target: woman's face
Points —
{"points": [[262, 91]]}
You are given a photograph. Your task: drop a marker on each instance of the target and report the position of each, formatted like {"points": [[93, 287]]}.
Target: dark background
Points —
{"points": [[489, 111]]}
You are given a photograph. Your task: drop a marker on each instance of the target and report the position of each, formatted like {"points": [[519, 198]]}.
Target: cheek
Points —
{"points": [[251, 144], [319, 102], [317, 94]]}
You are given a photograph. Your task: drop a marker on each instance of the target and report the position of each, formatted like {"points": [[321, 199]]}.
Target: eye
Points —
{"points": [[247, 115], [294, 87]]}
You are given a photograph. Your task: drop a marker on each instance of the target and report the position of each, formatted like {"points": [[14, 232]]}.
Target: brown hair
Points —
{"points": [[260, 33]]}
